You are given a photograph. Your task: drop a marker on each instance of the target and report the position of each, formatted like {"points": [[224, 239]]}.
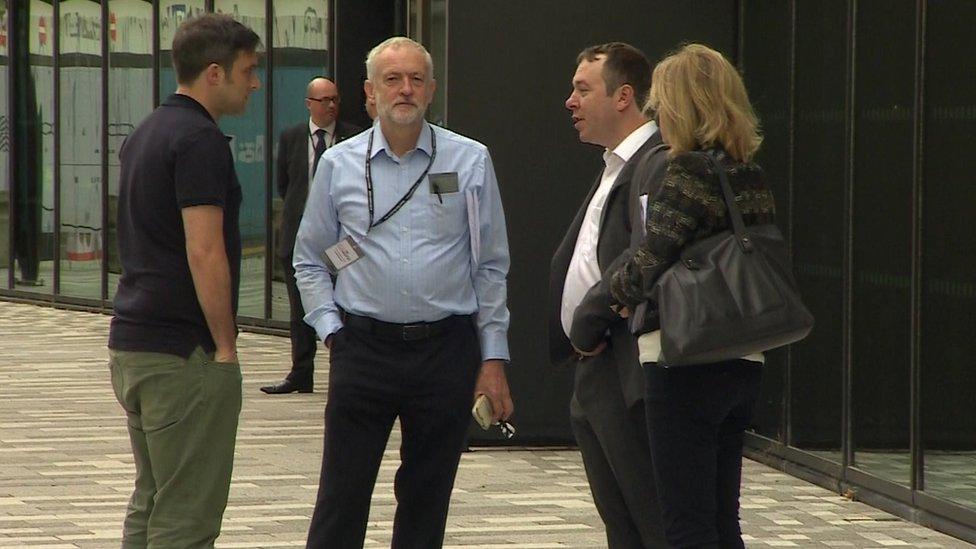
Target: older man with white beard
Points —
{"points": [[408, 219]]}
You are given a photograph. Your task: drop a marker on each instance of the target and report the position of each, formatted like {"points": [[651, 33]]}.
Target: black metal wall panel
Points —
{"points": [[767, 75], [359, 25], [510, 64]]}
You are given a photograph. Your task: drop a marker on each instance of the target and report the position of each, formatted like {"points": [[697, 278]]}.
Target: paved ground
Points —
{"points": [[66, 471]]}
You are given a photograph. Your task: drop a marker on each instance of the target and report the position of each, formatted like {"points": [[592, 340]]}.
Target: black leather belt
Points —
{"points": [[414, 331]]}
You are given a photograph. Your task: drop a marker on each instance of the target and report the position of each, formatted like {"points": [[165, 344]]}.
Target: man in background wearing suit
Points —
{"points": [[606, 410], [299, 151]]}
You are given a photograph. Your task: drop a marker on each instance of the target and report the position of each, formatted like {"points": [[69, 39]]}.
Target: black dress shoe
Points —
{"points": [[285, 387]]}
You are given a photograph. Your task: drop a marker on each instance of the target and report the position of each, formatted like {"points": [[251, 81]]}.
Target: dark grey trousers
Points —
{"points": [[617, 457]]}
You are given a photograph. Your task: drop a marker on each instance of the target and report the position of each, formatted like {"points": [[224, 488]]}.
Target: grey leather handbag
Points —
{"points": [[731, 294]]}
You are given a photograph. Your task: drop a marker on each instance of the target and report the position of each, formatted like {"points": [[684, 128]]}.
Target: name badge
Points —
{"points": [[443, 183], [342, 254]]}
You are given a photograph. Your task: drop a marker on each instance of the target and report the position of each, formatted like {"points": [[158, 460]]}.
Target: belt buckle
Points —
{"points": [[414, 332]]}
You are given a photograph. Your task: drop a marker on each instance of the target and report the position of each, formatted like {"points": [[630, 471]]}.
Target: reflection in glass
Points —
{"points": [[247, 132], [129, 100], [172, 13], [948, 312], [300, 48], [882, 217], [4, 148], [818, 224], [33, 238], [81, 143], [766, 73]]}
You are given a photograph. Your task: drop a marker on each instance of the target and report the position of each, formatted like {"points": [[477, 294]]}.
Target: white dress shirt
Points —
{"points": [[584, 268], [329, 141]]}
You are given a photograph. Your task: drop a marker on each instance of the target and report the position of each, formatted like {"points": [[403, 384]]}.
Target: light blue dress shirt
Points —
{"points": [[418, 266]]}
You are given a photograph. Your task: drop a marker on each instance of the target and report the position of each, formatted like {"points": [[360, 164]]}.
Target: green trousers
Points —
{"points": [[182, 420]]}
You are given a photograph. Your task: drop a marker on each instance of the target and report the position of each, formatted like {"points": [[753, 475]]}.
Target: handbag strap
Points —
{"points": [[735, 215]]}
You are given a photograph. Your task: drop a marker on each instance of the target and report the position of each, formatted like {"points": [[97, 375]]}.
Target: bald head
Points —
{"points": [[322, 100]]}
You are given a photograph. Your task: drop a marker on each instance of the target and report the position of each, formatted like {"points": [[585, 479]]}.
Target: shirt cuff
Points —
{"points": [[325, 323], [494, 346]]}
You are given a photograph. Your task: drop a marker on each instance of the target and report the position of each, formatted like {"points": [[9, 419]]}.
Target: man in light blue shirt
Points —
{"points": [[407, 219]]}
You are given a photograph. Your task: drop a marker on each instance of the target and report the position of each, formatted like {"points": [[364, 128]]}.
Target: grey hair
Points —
{"points": [[397, 42]]}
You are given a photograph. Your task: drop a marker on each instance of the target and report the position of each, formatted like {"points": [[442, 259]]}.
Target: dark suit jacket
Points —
{"points": [[614, 239], [292, 178]]}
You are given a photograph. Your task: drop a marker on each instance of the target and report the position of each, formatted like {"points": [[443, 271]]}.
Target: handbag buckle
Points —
{"points": [[690, 264]]}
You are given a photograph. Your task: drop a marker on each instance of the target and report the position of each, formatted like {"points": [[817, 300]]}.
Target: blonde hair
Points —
{"points": [[701, 102]]}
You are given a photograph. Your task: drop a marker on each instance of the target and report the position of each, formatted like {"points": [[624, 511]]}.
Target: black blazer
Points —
{"points": [[292, 179], [614, 239]]}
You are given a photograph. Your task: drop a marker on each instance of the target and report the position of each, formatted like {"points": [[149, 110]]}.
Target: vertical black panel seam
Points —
{"points": [[106, 21], [787, 430], [918, 163], [333, 42], [13, 67], [847, 362], [447, 57], [154, 34], [739, 38], [332, 26], [56, 149], [268, 155]]}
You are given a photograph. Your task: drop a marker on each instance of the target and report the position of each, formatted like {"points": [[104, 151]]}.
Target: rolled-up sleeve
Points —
{"points": [[491, 270], [318, 231]]}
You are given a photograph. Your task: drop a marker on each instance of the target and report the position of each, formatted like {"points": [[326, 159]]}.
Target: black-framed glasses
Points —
{"points": [[334, 99]]}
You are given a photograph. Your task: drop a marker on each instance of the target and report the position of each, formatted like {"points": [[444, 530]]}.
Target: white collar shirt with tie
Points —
{"points": [[329, 141]]}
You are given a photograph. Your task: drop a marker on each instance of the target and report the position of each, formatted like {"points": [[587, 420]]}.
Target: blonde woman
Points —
{"points": [[696, 415]]}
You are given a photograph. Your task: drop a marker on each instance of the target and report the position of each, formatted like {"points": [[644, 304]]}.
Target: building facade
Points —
{"points": [[868, 109]]}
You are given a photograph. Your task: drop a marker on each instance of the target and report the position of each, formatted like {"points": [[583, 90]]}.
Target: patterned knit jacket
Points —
{"points": [[688, 207]]}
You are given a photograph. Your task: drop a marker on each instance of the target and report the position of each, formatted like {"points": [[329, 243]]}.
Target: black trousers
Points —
{"points": [[373, 379], [304, 340], [612, 439], [696, 417]]}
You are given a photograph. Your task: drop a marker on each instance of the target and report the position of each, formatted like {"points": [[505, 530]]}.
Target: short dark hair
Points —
{"points": [[624, 64], [209, 38]]}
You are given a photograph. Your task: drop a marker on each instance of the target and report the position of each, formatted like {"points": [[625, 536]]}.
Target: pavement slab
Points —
{"points": [[66, 471]]}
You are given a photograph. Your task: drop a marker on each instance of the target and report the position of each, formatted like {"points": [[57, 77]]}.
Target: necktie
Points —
{"points": [[319, 148]]}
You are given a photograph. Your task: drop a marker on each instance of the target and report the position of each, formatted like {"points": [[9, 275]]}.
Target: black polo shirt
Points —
{"points": [[176, 158]]}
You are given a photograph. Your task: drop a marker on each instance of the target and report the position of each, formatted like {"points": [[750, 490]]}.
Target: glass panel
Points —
{"points": [[301, 44], [818, 224], [81, 148], [129, 99], [949, 255], [767, 73], [247, 133], [881, 392], [172, 13], [34, 206], [4, 149]]}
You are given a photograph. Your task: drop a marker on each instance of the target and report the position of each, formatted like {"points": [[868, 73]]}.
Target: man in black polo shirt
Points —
{"points": [[172, 343]]}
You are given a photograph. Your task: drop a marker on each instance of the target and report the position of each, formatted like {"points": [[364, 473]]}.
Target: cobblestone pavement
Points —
{"points": [[66, 470]]}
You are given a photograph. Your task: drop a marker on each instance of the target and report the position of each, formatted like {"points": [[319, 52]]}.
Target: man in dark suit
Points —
{"points": [[606, 411], [299, 151]]}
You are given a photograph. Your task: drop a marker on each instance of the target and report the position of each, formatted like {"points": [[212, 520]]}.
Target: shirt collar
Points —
{"points": [[626, 149], [380, 144], [187, 102], [312, 128]]}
